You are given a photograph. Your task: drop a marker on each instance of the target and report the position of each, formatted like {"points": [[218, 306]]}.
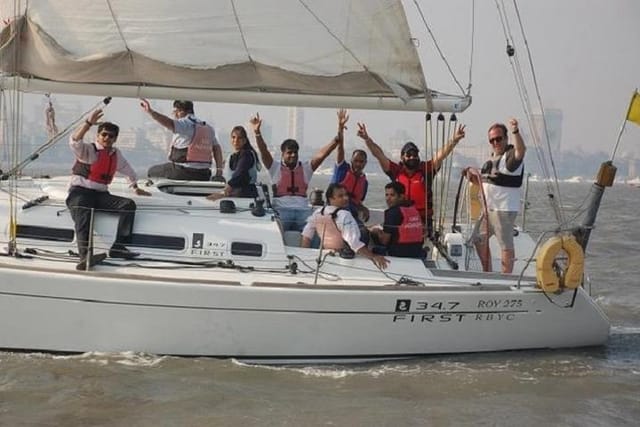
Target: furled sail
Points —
{"points": [[322, 53]]}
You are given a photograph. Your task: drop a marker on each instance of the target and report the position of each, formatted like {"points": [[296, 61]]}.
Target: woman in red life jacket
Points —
{"points": [[94, 168]]}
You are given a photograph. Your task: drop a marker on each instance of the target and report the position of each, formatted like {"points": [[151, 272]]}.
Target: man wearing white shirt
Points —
{"points": [[194, 146]]}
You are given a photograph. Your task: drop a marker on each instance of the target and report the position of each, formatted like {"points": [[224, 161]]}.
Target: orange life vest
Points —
{"points": [[199, 150], [102, 170], [356, 186], [291, 182], [411, 229], [415, 190]]}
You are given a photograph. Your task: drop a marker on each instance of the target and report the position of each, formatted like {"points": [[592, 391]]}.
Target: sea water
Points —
{"points": [[580, 387]]}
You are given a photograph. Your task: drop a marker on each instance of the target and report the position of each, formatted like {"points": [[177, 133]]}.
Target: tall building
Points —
{"points": [[295, 117], [553, 118]]}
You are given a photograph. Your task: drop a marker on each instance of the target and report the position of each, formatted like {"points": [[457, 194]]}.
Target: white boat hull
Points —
{"points": [[283, 323], [261, 311]]}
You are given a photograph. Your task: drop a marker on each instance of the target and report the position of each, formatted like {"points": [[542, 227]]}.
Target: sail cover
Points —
{"points": [[323, 53]]}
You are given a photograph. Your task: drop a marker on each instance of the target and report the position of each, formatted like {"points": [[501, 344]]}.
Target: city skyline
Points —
{"points": [[147, 143]]}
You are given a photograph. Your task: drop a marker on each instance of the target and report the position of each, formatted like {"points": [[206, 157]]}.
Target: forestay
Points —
{"points": [[323, 53]]}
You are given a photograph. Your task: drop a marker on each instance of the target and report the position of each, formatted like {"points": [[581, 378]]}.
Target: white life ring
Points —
{"points": [[571, 277]]}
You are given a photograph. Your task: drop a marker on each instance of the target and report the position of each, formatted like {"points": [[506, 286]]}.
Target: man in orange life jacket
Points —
{"points": [[290, 176], [352, 176], [335, 226], [402, 233], [96, 164], [193, 148], [412, 172]]}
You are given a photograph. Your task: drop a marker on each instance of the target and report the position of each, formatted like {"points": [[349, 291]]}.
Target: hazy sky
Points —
{"points": [[585, 53]]}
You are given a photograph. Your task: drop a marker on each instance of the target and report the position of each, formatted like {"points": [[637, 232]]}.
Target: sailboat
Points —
{"points": [[220, 278]]}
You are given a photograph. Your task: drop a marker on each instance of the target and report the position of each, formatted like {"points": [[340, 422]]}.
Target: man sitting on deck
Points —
{"points": [[402, 234], [193, 148], [96, 164]]}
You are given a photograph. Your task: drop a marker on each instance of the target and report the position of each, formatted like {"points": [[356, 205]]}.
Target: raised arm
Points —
{"points": [[374, 148], [518, 143], [448, 147], [338, 141], [341, 127], [86, 125], [340, 152], [265, 155], [158, 117]]}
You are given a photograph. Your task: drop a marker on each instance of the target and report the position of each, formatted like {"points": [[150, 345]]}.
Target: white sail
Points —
{"points": [[323, 53]]}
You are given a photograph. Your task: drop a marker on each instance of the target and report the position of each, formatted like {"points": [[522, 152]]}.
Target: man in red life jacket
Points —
{"points": [[193, 148], [412, 172], [290, 176], [335, 226], [352, 176], [96, 164], [402, 233]]}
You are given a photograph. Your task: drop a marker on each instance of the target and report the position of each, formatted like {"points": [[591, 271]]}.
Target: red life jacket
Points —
{"points": [[100, 171], [291, 182], [411, 229], [199, 150], [415, 189], [355, 185]]}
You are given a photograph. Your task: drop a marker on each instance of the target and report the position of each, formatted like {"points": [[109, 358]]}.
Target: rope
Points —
{"points": [[521, 86], [539, 97], [341, 43], [50, 142], [244, 40], [473, 32], [117, 24], [437, 46]]}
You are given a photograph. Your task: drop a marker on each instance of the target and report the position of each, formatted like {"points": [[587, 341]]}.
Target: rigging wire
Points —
{"points": [[539, 97], [437, 46], [19, 166], [242, 36], [472, 47], [525, 100], [342, 44]]}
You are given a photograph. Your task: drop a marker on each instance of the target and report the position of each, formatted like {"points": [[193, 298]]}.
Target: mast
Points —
{"points": [[605, 178]]}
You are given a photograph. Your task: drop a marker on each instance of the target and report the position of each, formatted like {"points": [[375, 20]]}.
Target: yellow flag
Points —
{"points": [[633, 115]]}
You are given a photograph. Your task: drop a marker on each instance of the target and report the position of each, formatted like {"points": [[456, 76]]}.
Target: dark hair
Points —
{"points": [[109, 127], [500, 126], [247, 146], [358, 151], [398, 187], [331, 189], [183, 105], [289, 144], [243, 133]]}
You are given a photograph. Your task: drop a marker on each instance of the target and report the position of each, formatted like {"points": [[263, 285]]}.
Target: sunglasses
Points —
{"points": [[496, 139], [108, 134]]}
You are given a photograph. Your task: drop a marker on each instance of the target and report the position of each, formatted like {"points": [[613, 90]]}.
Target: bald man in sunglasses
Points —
{"points": [[95, 166]]}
